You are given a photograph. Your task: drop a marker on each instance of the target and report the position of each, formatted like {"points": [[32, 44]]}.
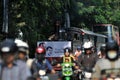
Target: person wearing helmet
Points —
{"points": [[41, 62], [101, 53], [68, 56], [107, 68], [10, 70], [21, 57], [23, 49], [78, 52], [87, 60]]}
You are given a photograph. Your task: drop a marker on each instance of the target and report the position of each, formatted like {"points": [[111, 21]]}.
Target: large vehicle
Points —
{"points": [[79, 36], [109, 30]]}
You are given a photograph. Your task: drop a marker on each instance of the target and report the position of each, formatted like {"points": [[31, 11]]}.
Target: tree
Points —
{"points": [[92, 12], [36, 18]]}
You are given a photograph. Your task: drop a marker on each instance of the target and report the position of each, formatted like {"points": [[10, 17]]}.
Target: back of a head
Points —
{"points": [[112, 45], [112, 49], [8, 46]]}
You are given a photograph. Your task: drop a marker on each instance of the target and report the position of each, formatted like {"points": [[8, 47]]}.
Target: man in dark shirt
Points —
{"points": [[87, 60]]}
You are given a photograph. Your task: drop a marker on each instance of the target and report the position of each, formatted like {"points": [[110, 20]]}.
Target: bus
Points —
{"points": [[78, 36], [111, 31]]}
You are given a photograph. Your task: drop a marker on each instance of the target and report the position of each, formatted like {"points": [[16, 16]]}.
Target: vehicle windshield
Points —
{"points": [[101, 30]]}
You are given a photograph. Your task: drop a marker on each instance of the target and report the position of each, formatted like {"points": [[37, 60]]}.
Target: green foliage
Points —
{"points": [[36, 18], [102, 11]]}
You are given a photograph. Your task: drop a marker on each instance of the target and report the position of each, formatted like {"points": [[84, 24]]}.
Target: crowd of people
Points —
{"points": [[15, 55]]}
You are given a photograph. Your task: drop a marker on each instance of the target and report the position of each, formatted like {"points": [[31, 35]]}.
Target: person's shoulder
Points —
{"points": [[94, 53], [71, 55], [34, 62], [20, 62], [30, 62], [82, 55], [46, 60]]}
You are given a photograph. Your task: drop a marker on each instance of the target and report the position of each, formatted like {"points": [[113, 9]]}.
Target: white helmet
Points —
{"points": [[18, 41], [87, 45], [22, 46]]}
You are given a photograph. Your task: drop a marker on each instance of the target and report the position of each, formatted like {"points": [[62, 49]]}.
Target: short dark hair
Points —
{"points": [[41, 44], [49, 47]]}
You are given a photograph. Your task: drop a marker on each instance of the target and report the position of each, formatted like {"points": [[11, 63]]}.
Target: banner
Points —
{"points": [[55, 48]]}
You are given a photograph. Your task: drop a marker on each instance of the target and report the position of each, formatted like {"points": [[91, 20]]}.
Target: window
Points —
{"points": [[100, 29]]}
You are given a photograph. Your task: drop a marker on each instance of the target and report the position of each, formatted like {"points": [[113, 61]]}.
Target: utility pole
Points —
{"points": [[67, 16], [67, 19], [5, 17]]}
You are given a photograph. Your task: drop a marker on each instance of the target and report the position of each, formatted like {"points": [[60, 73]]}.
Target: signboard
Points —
{"points": [[55, 48]]}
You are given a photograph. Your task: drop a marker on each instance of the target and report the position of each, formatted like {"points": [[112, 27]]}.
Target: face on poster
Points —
{"points": [[55, 48]]}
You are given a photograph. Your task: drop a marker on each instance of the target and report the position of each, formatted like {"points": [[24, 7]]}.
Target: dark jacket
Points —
{"points": [[36, 66], [87, 62]]}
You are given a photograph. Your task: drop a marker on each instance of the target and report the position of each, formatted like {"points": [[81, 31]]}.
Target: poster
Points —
{"points": [[55, 48]]}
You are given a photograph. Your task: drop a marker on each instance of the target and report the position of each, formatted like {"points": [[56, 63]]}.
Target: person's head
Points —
{"points": [[23, 49], [41, 44], [67, 51], [8, 50], [78, 48], [49, 50], [112, 49], [40, 53], [88, 47], [103, 49]]}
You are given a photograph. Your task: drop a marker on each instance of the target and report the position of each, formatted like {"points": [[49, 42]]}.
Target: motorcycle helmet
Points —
{"points": [[8, 46], [40, 50], [67, 50], [40, 53], [87, 45], [112, 50], [22, 46]]}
